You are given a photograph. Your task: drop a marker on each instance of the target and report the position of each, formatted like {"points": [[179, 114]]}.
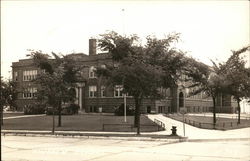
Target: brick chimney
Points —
{"points": [[92, 46]]}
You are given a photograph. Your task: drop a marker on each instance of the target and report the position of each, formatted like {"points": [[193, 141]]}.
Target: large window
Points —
{"points": [[30, 93], [92, 72], [118, 91], [103, 93], [15, 76], [92, 91], [29, 75]]}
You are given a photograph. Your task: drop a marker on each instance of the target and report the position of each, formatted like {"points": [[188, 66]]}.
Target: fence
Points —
{"points": [[241, 117], [160, 124], [219, 115], [207, 125], [128, 127]]}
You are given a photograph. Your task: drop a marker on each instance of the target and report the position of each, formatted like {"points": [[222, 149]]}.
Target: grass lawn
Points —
{"points": [[207, 122], [79, 123]]}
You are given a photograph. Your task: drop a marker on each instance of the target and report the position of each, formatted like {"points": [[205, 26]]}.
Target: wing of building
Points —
{"points": [[93, 93]]}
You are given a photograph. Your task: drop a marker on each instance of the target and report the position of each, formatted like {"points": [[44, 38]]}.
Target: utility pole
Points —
{"points": [[123, 23], [1, 105]]}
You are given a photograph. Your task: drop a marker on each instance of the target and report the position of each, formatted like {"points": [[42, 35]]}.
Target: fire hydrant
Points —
{"points": [[174, 131]]}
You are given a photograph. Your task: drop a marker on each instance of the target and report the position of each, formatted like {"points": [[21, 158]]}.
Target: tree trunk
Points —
{"points": [[238, 102], [137, 114], [53, 121], [1, 114], [60, 114], [214, 112]]}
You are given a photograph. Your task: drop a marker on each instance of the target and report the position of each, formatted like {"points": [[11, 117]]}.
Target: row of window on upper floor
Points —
{"points": [[117, 91], [29, 75], [30, 93], [200, 95]]}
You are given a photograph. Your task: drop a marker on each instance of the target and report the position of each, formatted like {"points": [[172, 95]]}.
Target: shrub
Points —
{"points": [[32, 109], [120, 110], [70, 109], [49, 111]]}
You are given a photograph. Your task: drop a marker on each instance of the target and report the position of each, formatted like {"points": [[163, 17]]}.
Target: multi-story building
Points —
{"points": [[94, 92]]}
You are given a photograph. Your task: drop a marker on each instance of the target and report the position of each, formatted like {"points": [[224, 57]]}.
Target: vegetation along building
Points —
{"points": [[94, 92]]}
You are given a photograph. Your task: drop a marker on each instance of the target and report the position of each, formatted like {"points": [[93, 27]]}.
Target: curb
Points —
{"points": [[127, 137], [114, 136]]}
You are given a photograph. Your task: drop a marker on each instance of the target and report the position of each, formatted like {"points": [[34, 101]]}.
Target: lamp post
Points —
{"points": [[125, 104]]}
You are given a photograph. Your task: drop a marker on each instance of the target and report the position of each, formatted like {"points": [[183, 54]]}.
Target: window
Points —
{"points": [[103, 93], [118, 91], [92, 72], [103, 66], [92, 91], [30, 93], [15, 76], [29, 75]]}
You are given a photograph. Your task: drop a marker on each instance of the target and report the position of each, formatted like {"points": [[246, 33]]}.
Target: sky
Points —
{"points": [[209, 29]]}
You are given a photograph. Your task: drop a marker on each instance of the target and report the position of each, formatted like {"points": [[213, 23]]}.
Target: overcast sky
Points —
{"points": [[209, 29]]}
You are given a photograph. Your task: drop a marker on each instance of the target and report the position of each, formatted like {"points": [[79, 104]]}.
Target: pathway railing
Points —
{"points": [[126, 127], [160, 124], [206, 125]]}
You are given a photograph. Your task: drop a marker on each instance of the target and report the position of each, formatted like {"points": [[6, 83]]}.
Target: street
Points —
{"points": [[65, 149]]}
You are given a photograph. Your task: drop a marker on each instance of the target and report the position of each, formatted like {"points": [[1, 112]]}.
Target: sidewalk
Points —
{"points": [[197, 133], [15, 117], [128, 136]]}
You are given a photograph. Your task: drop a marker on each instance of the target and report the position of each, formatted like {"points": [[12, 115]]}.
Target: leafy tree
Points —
{"points": [[8, 96], [142, 70], [9, 93], [238, 77], [55, 82], [231, 77], [210, 80]]}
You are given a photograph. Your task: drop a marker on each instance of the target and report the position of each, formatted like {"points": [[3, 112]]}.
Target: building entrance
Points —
{"points": [[181, 99]]}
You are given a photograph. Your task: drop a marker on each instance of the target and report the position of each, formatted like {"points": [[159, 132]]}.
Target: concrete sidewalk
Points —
{"points": [[197, 133], [15, 117], [128, 136]]}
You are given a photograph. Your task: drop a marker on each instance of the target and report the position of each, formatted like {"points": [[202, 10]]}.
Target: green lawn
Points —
{"points": [[79, 123], [207, 122]]}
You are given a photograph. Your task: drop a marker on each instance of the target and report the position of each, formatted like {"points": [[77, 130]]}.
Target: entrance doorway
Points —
{"points": [[148, 109], [161, 109], [181, 99]]}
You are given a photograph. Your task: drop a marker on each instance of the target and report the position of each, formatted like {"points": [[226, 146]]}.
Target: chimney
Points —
{"points": [[92, 46]]}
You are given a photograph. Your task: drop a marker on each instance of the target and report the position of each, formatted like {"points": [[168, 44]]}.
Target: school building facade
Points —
{"points": [[93, 94]]}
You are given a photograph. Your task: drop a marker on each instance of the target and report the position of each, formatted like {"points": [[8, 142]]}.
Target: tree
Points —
{"points": [[9, 93], [231, 77], [142, 70], [55, 82], [210, 80], [238, 77]]}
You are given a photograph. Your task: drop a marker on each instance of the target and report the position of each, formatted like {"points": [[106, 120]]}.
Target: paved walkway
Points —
{"points": [[197, 133], [14, 117]]}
